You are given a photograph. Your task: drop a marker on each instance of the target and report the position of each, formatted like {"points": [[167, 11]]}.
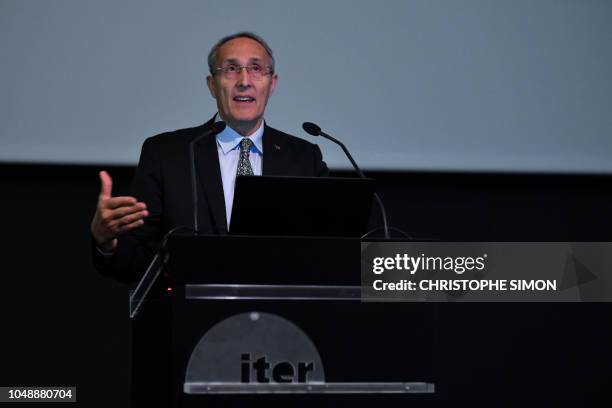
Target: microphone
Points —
{"points": [[216, 128], [315, 130]]}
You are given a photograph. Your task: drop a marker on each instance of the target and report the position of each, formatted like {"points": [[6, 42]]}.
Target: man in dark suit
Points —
{"points": [[127, 230]]}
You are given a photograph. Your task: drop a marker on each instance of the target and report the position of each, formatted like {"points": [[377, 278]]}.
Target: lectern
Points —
{"points": [[236, 320]]}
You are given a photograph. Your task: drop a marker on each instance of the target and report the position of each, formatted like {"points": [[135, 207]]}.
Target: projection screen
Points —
{"points": [[472, 85]]}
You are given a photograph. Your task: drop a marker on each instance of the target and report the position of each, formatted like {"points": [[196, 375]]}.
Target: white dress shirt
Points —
{"points": [[228, 148]]}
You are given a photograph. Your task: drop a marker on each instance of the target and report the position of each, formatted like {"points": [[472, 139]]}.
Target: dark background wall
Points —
{"points": [[63, 324]]}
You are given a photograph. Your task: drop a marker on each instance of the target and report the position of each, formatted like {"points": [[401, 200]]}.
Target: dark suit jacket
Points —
{"points": [[163, 182]]}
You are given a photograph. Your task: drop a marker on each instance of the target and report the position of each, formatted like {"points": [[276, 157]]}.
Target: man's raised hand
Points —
{"points": [[115, 215]]}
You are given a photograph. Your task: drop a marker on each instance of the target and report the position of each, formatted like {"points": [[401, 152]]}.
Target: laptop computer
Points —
{"points": [[301, 206]]}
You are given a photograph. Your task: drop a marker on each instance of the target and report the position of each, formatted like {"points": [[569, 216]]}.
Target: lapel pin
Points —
{"points": [[277, 147]]}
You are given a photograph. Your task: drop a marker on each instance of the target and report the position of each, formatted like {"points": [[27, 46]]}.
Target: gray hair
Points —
{"points": [[212, 55]]}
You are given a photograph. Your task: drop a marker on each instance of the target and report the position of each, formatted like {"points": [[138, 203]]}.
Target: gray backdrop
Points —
{"points": [[517, 85]]}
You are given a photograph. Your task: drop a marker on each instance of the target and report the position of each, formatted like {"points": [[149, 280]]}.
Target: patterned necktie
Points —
{"points": [[244, 164]]}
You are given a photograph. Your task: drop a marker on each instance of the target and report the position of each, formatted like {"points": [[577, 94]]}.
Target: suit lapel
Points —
{"points": [[273, 158], [209, 175]]}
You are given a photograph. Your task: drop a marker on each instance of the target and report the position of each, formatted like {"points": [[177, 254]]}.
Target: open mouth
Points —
{"points": [[244, 99]]}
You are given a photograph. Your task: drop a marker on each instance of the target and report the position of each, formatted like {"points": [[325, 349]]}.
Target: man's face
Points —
{"points": [[242, 101]]}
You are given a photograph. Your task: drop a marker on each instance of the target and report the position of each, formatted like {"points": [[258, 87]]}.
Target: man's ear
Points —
{"points": [[273, 84], [210, 81]]}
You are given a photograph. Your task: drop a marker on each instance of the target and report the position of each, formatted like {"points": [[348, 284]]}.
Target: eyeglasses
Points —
{"points": [[256, 72]]}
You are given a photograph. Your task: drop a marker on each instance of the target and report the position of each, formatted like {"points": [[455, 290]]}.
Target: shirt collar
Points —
{"points": [[229, 139]]}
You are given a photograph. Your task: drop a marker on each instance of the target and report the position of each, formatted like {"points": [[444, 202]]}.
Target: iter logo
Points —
{"points": [[283, 372], [251, 350]]}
